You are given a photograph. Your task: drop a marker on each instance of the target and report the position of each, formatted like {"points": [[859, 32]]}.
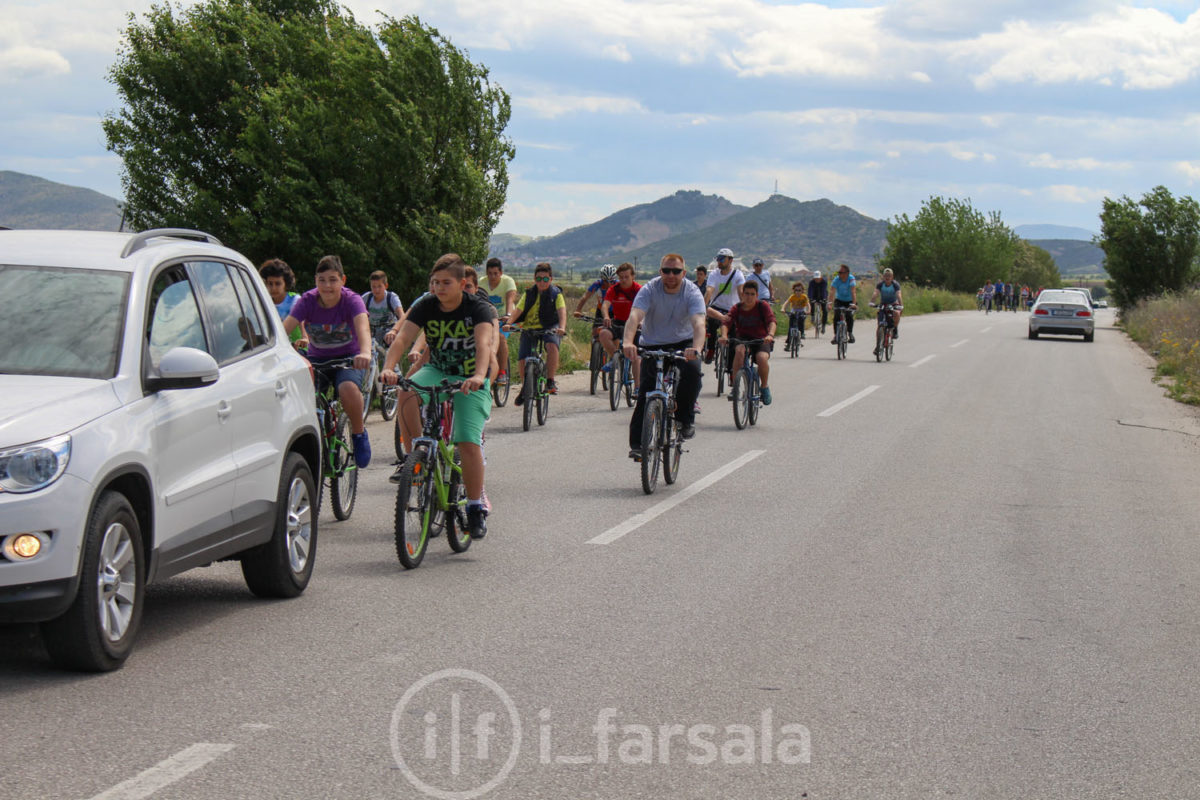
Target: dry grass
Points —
{"points": [[1169, 328]]}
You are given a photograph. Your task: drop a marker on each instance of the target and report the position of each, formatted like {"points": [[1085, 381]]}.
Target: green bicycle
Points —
{"points": [[338, 470], [430, 498]]}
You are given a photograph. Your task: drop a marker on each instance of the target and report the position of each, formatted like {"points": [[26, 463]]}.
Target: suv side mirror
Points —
{"points": [[184, 368]]}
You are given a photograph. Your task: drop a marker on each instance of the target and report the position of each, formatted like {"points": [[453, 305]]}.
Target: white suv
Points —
{"points": [[155, 419]]}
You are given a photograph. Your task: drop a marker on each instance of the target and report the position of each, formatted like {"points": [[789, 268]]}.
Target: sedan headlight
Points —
{"points": [[34, 466]]}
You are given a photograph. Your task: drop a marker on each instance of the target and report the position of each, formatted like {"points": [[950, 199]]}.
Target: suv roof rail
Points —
{"points": [[139, 240]]}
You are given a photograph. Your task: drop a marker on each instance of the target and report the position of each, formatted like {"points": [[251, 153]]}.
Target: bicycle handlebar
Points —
{"points": [[888, 306], [446, 386]]}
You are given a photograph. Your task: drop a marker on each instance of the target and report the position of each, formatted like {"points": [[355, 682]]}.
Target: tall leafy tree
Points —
{"points": [[1150, 246], [950, 244], [1034, 267], [288, 129]]}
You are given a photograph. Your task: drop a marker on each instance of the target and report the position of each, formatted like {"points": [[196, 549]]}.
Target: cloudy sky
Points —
{"points": [[1037, 109]]}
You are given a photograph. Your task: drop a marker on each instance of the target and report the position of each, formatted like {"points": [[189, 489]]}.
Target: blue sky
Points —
{"points": [[1034, 109]]}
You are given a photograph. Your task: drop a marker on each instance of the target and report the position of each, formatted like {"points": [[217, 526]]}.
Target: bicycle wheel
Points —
{"points": [[457, 535], [880, 338], [595, 363], [389, 401], [627, 381], [500, 390], [615, 379], [672, 451], [651, 451], [839, 331], [793, 343], [343, 486], [740, 394], [887, 344], [398, 440], [414, 509], [543, 401], [529, 389], [754, 400], [719, 361], [368, 390]]}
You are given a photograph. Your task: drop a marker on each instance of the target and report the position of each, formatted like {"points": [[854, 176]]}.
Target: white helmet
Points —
{"points": [[817, 275], [724, 252], [608, 272]]}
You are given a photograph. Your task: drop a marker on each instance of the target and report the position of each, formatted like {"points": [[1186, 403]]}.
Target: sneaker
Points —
{"points": [[607, 367], [875, 352], [483, 501], [833, 341], [851, 339], [502, 379], [708, 356], [895, 334], [396, 476], [520, 398], [362, 449], [687, 431], [635, 454], [766, 396], [696, 408], [551, 387], [476, 521]]}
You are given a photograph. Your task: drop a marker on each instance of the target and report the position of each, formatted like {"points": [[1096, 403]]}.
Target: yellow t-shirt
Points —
{"points": [[795, 302]]}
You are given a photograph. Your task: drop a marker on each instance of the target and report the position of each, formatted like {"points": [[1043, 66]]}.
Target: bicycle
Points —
{"points": [[662, 440], [819, 305], [885, 327], [430, 498], [338, 469], [533, 385], [746, 392], [795, 334], [375, 387], [721, 364], [840, 329], [500, 389], [620, 374], [597, 359]]}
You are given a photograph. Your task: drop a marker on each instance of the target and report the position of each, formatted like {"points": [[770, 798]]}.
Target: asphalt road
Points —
{"points": [[979, 579]]}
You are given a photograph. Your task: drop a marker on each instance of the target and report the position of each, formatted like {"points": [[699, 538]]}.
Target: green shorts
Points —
{"points": [[471, 411]]}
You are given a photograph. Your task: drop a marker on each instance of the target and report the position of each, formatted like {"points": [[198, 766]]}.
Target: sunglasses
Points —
{"points": [[543, 279], [672, 270]]}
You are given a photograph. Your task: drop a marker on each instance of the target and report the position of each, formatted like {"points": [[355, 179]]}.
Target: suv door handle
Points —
{"points": [[224, 409], [281, 391]]}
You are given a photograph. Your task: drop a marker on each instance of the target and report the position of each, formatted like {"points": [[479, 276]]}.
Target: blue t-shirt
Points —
{"points": [[887, 294], [285, 307], [843, 290], [668, 316]]}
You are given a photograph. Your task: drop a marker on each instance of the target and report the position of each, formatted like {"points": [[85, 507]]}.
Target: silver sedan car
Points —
{"points": [[1062, 312]]}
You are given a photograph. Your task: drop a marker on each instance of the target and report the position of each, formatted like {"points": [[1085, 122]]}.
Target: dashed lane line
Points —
{"points": [[829, 412], [165, 772], [960, 342], [924, 360]]}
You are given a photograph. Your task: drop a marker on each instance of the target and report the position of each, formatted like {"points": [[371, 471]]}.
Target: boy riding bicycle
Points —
{"points": [[459, 330]]}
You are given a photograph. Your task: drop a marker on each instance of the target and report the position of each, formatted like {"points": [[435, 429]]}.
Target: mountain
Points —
{"points": [[633, 227], [819, 232], [1032, 232], [1072, 256], [30, 202], [500, 243]]}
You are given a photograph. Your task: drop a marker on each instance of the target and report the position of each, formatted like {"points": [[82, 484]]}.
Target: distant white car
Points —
{"points": [[1062, 311], [155, 419], [1101, 304]]}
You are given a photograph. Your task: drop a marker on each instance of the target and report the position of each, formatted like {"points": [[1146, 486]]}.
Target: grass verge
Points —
{"points": [[1168, 327]]}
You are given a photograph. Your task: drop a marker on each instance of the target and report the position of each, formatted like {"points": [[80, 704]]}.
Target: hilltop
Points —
{"points": [[1073, 257], [29, 202]]}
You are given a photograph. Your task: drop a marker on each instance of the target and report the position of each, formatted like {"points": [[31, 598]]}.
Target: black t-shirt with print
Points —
{"points": [[451, 334]]}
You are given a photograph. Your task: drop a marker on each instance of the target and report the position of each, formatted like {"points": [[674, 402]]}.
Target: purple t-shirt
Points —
{"points": [[330, 330]]}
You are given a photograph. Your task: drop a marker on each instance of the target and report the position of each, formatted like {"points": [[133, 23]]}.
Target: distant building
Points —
{"points": [[790, 270]]}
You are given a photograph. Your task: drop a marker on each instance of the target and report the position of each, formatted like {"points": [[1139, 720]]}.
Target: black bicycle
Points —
{"points": [[841, 330], [885, 329], [500, 386], [746, 390], [795, 334], [338, 469], [534, 388], [662, 439], [597, 359], [620, 373]]}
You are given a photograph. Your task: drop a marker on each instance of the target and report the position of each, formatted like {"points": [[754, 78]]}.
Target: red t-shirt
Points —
{"points": [[622, 300], [752, 324]]}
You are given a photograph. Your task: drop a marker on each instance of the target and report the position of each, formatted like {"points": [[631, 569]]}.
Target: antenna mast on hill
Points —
{"points": [[776, 187]]}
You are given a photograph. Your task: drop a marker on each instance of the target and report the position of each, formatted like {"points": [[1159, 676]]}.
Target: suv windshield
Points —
{"points": [[61, 321]]}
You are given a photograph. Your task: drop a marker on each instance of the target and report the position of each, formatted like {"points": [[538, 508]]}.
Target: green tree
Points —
{"points": [[950, 244], [1034, 267], [1151, 246], [287, 129]]}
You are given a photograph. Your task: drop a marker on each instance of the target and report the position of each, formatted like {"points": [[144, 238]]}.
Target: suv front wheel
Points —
{"points": [[97, 632], [283, 566]]}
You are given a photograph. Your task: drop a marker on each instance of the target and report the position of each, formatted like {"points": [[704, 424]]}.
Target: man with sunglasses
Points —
{"points": [[541, 309], [670, 311]]}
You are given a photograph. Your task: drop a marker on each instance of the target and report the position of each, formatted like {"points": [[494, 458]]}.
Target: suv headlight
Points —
{"points": [[34, 466]]}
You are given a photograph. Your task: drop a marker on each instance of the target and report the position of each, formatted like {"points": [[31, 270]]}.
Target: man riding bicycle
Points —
{"points": [[502, 292], [459, 331], [618, 302], [843, 298], [752, 319], [670, 311], [818, 295], [720, 295], [384, 309], [607, 279], [541, 311]]}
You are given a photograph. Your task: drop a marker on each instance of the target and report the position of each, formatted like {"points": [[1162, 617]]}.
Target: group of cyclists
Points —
{"points": [[1001, 296], [459, 330]]}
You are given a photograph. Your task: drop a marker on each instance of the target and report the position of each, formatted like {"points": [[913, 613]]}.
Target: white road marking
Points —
{"points": [[985, 330], [638, 520], [829, 412], [924, 360], [956, 344], [165, 772]]}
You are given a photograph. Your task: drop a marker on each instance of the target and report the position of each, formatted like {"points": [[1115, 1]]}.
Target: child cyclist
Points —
{"points": [[459, 330], [335, 321], [796, 306]]}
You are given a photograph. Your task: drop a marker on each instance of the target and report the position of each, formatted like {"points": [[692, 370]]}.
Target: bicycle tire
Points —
{"points": [[880, 338], [672, 451], [651, 451], [595, 362], [839, 332], [543, 401], [368, 394], [413, 511], [627, 382], [794, 343], [887, 344], [457, 535], [500, 390], [529, 390], [616, 380], [754, 400], [720, 359], [343, 485], [740, 394], [389, 401]]}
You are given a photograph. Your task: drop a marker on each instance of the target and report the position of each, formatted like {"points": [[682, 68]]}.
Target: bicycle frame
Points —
{"points": [[436, 427]]}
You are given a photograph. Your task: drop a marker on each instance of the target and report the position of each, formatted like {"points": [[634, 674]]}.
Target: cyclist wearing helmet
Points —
{"points": [[818, 295], [607, 280], [763, 278], [722, 292]]}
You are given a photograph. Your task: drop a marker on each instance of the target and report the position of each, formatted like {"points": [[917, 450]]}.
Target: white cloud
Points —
{"points": [[920, 77], [1190, 169], [549, 105], [1065, 193], [617, 52], [1047, 161], [23, 63]]}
